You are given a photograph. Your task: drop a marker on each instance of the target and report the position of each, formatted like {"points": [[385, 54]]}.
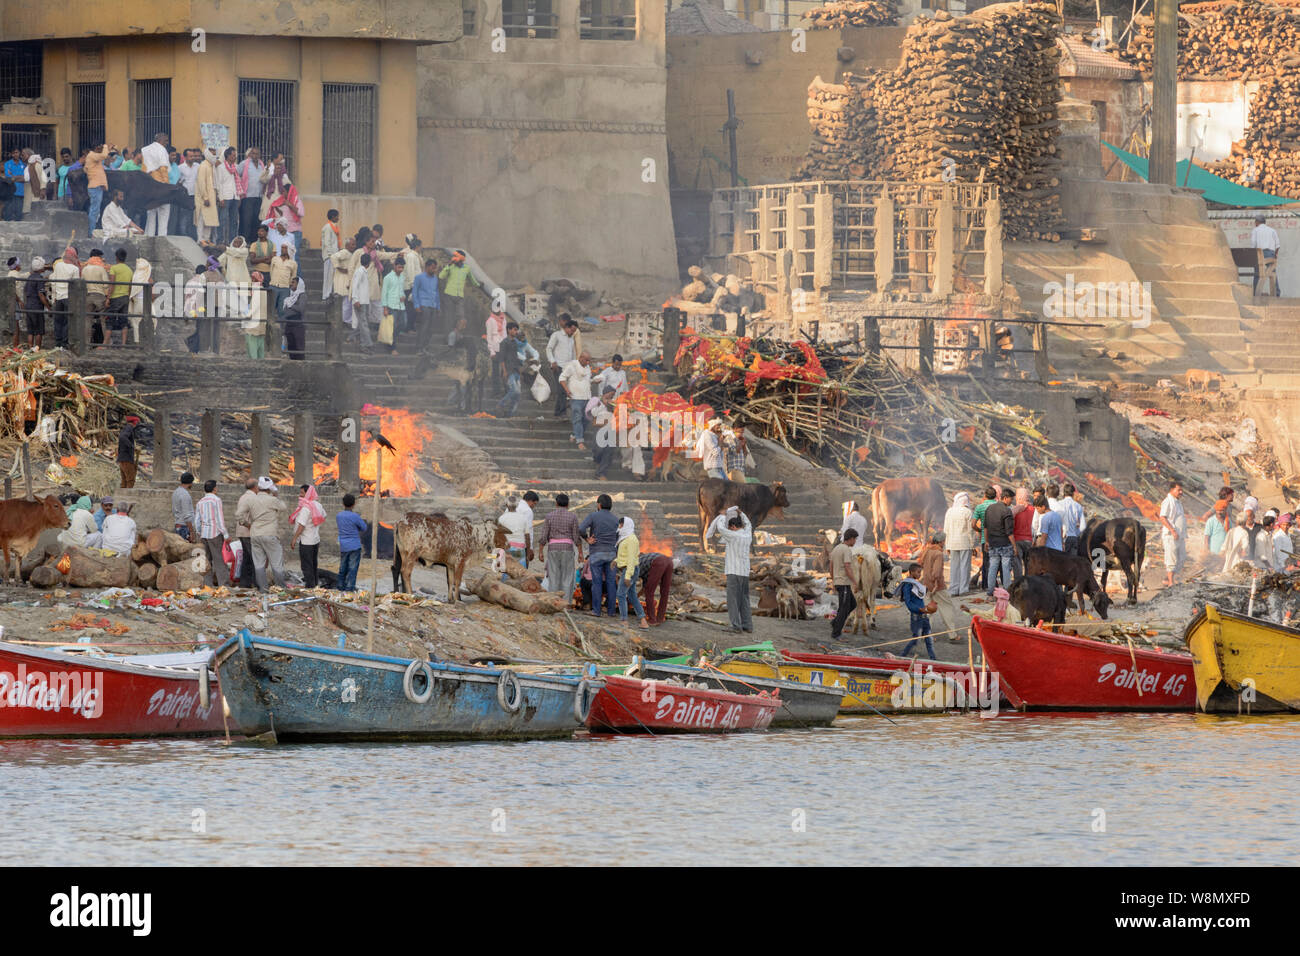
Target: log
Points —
{"points": [[47, 547], [141, 550], [45, 576], [146, 573], [177, 577], [92, 570], [166, 546], [498, 592]]}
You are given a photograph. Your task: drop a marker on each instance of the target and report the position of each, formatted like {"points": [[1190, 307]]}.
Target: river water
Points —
{"points": [[958, 789]]}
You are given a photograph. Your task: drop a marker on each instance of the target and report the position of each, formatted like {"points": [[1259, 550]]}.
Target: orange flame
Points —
{"points": [[645, 532], [408, 433]]}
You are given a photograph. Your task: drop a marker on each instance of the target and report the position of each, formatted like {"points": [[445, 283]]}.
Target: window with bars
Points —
{"points": [[88, 116], [348, 138], [153, 110], [529, 19], [20, 71], [266, 118], [469, 17], [607, 20], [39, 139]]}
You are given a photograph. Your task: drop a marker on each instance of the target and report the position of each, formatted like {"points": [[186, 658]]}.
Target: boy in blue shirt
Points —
{"points": [[912, 591], [1050, 527], [351, 527]]}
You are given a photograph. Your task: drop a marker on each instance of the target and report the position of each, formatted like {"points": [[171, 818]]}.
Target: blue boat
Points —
{"points": [[305, 692]]}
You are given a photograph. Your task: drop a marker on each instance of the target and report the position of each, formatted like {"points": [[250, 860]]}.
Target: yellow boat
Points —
{"points": [[1243, 664], [866, 690]]}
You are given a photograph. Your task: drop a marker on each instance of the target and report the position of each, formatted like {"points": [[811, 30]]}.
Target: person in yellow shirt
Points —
{"points": [[626, 560]]}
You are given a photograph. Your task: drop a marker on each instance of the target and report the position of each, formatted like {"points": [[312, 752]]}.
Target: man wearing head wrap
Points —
{"points": [[454, 276], [708, 447], [306, 520], [519, 532], [207, 211], [35, 301], [81, 527], [1283, 550], [126, 451], [959, 537], [262, 514], [626, 561]]}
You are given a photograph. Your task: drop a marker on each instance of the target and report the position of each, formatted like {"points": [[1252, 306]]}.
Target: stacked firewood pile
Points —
{"points": [[160, 560], [1268, 156], [1224, 41], [853, 13], [845, 127], [974, 99]]}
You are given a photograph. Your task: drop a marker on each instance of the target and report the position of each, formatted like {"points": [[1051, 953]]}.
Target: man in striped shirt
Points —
{"points": [[210, 522], [737, 533]]}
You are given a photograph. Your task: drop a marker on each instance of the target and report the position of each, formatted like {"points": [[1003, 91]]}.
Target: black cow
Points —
{"points": [[716, 495], [1038, 598], [141, 192], [1122, 543], [1072, 572]]}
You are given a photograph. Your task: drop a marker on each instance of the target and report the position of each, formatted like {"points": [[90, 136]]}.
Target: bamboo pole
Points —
{"points": [[374, 551]]}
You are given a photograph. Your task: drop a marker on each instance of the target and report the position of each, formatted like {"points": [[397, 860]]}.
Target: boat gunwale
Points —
{"points": [[1073, 640], [105, 663], [744, 678], [711, 692]]}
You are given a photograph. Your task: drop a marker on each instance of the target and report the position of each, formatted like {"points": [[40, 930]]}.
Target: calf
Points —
{"points": [[21, 523], [716, 495], [869, 578], [432, 539], [1071, 572], [1116, 542], [1038, 598]]}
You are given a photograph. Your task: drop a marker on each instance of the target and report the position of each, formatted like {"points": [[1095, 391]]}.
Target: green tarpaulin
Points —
{"points": [[1215, 188]]}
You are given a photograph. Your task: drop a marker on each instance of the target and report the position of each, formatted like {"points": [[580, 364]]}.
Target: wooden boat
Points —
{"points": [[802, 705], [305, 692], [1040, 670], [867, 691], [46, 692], [1243, 664], [631, 705]]}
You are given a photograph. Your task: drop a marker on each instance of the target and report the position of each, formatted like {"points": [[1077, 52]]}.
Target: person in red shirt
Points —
{"points": [[1023, 535]]}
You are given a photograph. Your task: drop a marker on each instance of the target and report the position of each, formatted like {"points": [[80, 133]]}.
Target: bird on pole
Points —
{"points": [[377, 436]]}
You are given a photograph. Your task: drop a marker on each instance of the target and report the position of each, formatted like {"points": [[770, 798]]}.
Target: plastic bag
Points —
{"points": [[385, 336], [541, 390]]}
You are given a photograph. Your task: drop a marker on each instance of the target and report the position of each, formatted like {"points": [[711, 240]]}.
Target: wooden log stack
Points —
{"points": [[1272, 140], [974, 97], [1233, 40], [853, 13], [160, 560]]}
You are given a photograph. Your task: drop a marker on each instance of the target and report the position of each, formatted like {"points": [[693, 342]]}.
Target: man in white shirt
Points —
{"points": [[250, 207], [856, 521], [153, 158], [737, 533], [1283, 548], [360, 299], [279, 236], [119, 530], [117, 224], [519, 532], [1173, 534], [561, 349], [1265, 240], [708, 447], [575, 380], [613, 376], [65, 269]]}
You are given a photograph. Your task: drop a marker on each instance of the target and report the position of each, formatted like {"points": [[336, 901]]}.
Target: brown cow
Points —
{"points": [[437, 539], [716, 495], [895, 499], [21, 523]]}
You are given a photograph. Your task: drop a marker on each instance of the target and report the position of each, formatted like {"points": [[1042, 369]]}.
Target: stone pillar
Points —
{"points": [[210, 445], [273, 333], [78, 321], [925, 342], [794, 220], [162, 444], [350, 452], [768, 239], [148, 333], [721, 215], [8, 303], [261, 429], [993, 247], [944, 239], [334, 328], [823, 239], [304, 447], [884, 252]]}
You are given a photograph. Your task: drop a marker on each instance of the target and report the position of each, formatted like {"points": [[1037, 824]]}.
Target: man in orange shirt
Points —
{"points": [[96, 182]]}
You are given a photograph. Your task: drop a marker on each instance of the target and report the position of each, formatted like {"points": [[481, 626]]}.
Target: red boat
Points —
{"points": [[1039, 670], [52, 693], [632, 705]]}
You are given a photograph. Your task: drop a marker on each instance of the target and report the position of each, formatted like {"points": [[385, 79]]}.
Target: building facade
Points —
{"points": [[332, 85]]}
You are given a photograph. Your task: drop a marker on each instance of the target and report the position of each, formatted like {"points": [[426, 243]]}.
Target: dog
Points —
{"points": [[1198, 379]]}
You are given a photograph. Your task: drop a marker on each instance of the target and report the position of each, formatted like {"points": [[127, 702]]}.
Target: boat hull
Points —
{"points": [[631, 705], [1243, 664], [802, 705], [1040, 670], [303, 692], [49, 693], [867, 691]]}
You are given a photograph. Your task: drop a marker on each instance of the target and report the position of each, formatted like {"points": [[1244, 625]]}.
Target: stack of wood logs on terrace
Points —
{"points": [[974, 99], [1240, 39], [1272, 140], [853, 13], [160, 560]]}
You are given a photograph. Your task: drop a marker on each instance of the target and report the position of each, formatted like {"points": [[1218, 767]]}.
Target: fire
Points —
{"points": [[645, 532], [408, 433]]}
